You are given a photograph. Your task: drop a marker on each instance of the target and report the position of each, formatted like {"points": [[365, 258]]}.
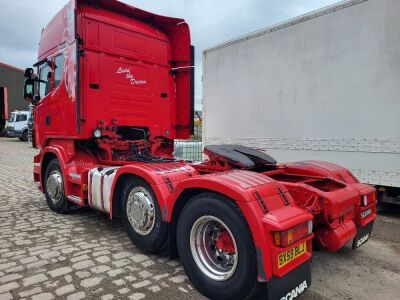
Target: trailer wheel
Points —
{"points": [[216, 248], [53, 185], [141, 216]]}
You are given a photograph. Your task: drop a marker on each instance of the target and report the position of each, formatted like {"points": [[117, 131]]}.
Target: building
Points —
{"points": [[13, 79]]}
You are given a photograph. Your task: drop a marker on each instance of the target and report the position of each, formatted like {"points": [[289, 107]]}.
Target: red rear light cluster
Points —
{"points": [[288, 237], [368, 199]]}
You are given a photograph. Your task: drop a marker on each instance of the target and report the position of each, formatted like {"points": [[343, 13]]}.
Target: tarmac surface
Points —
{"points": [[83, 255]]}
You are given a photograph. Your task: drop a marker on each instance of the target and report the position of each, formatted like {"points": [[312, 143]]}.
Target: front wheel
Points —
{"points": [[53, 185], [216, 248], [24, 136], [141, 216]]}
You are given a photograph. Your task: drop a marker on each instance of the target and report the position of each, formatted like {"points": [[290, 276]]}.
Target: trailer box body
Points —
{"points": [[325, 85]]}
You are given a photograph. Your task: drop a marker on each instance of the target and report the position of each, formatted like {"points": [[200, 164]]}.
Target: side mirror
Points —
{"points": [[28, 73], [29, 89]]}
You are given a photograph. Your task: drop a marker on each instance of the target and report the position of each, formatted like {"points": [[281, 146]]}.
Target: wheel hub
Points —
{"points": [[214, 248], [224, 243], [140, 210], [54, 186]]}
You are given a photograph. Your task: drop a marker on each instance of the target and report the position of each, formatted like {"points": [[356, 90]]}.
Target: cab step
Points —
{"points": [[74, 178], [76, 200]]}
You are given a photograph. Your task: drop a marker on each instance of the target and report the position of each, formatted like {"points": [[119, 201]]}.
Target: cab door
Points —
{"points": [[50, 119]]}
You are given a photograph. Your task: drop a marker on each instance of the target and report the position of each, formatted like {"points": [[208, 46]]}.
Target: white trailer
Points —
{"points": [[322, 86]]}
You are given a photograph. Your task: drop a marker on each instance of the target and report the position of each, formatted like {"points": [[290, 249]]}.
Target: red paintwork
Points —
{"points": [[116, 40], [120, 43], [332, 194]]}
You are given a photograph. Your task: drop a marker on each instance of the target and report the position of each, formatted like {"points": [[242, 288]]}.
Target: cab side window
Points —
{"points": [[45, 77], [47, 70], [58, 70]]}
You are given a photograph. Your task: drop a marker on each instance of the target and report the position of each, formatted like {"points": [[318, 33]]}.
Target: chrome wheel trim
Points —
{"points": [[140, 210], [55, 187], [214, 263]]}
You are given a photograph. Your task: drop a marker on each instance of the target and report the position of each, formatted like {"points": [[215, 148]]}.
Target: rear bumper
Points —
{"points": [[335, 238], [292, 285]]}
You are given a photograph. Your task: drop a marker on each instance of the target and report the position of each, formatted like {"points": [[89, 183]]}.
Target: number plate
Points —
{"points": [[286, 257]]}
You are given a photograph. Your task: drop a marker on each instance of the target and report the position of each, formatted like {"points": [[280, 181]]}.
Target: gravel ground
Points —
{"points": [[83, 255]]}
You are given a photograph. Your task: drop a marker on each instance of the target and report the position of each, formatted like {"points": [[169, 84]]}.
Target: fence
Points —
{"points": [[188, 150], [191, 149]]}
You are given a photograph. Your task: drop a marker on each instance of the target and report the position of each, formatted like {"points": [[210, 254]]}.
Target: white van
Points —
{"points": [[17, 125]]}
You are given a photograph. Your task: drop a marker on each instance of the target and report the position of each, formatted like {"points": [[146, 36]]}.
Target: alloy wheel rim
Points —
{"points": [[217, 260], [140, 210], [54, 187]]}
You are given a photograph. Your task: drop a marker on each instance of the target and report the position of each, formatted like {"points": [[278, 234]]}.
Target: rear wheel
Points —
{"points": [[141, 216], [53, 185], [216, 248]]}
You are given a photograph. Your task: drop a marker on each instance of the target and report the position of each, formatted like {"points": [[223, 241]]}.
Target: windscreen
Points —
{"points": [[21, 118]]}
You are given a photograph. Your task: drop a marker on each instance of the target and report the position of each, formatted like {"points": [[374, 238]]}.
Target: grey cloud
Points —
{"points": [[211, 22]]}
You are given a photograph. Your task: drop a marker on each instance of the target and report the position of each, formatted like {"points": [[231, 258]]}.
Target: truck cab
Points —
{"points": [[17, 125]]}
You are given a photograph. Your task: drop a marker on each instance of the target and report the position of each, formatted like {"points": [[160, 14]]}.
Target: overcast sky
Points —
{"points": [[211, 21]]}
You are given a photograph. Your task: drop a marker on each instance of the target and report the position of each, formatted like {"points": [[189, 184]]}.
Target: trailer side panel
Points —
{"points": [[321, 86]]}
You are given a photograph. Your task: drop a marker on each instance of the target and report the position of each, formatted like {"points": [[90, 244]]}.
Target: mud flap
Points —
{"points": [[363, 235], [292, 285]]}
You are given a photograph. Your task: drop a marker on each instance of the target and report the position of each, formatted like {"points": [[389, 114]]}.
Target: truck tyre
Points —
{"points": [[141, 216], [216, 248], [53, 186], [24, 136]]}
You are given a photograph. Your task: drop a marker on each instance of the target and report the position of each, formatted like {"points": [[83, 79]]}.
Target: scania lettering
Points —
{"points": [[296, 292]]}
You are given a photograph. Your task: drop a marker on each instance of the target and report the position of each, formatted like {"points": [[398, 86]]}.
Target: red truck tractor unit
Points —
{"points": [[112, 90]]}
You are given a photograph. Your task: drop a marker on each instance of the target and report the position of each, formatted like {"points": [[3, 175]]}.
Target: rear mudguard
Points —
{"points": [[245, 189]]}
